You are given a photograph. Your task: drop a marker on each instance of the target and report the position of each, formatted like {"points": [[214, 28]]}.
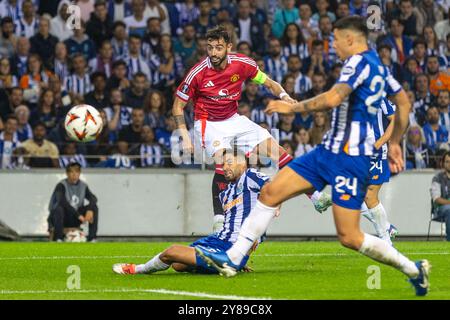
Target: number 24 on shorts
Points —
{"points": [[351, 184]]}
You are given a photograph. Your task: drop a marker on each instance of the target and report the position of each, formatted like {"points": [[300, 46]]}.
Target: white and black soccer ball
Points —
{"points": [[83, 123]]}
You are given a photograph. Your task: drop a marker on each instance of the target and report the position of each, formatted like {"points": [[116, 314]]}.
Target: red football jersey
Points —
{"points": [[216, 93]]}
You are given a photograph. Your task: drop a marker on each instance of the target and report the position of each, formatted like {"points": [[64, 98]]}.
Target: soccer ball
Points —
{"points": [[83, 123], [75, 236]]}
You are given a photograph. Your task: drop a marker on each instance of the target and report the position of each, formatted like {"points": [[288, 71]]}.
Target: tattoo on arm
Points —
{"points": [[314, 104], [179, 120], [342, 90]]}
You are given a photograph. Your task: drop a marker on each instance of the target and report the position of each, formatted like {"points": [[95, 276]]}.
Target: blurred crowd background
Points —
{"points": [[126, 57]]}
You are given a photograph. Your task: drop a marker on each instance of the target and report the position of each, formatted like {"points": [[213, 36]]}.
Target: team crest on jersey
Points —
{"points": [[348, 70], [234, 77], [185, 88], [239, 188]]}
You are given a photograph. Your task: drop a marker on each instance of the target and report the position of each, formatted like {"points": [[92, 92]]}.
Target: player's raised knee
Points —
{"points": [[351, 241], [268, 196]]}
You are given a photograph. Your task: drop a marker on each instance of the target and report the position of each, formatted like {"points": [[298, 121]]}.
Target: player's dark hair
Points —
{"points": [[73, 165], [354, 23], [217, 33]]}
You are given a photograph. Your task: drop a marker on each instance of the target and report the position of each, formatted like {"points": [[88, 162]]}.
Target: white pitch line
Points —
{"points": [[158, 291], [256, 255]]}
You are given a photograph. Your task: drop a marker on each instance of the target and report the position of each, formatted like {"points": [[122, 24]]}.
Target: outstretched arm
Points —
{"points": [[277, 90], [327, 100]]}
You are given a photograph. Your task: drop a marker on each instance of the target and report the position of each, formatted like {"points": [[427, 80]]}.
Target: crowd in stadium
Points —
{"points": [[126, 58]]}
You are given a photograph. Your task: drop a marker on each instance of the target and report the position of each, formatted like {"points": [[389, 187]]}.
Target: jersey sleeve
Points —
{"points": [[354, 72], [392, 85], [249, 67], [187, 88], [256, 180]]}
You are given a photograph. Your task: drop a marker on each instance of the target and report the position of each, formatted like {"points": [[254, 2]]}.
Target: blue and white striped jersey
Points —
{"points": [[78, 85], [352, 122], [276, 68], [387, 109], [238, 200]]}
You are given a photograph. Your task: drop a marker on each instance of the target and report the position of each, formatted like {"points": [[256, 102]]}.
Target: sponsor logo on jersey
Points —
{"points": [[223, 92], [209, 84], [185, 88], [345, 197], [234, 77], [233, 203]]}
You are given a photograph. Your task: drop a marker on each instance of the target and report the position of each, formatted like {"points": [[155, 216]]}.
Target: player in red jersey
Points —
{"points": [[215, 87]]}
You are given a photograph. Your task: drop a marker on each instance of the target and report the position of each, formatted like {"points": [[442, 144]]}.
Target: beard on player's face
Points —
{"points": [[216, 60]]}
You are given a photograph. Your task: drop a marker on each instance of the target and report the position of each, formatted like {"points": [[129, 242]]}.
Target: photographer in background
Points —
{"points": [[67, 206]]}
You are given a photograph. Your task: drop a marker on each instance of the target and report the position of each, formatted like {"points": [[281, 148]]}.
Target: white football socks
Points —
{"points": [[153, 265], [367, 214], [379, 250], [252, 229], [380, 217]]}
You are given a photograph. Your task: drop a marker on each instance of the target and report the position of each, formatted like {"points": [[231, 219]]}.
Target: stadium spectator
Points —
{"points": [[413, 118], [400, 43], [443, 103], [442, 27], [149, 152], [293, 42], [303, 142], [322, 7], [251, 97], [34, 81], [119, 40], [7, 80], [45, 112], [60, 64], [105, 142], [408, 18], [286, 126], [302, 83], [288, 83], [358, 7], [136, 23], [70, 155], [318, 84], [42, 152], [440, 188], [43, 43], [19, 60], [132, 132], [135, 95], [11, 9], [248, 28], [62, 98], [309, 27], [428, 13], [199, 53], [158, 9], [385, 53], [79, 82], [435, 47], [67, 206], [24, 130], [333, 75], [166, 66], [152, 38], [86, 8], [8, 141], [326, 35], [244, 110], [27, 25], [204, 21], [284, 15], [135, 61], [188, 12], [97, 97], [19, 159], [275, 64], [164, 135], [424, 99], [119, 9], [119, 158], [319, 127], [342, 10], [80, 43], [259, 116], [7, 38], [435, 134], [58, 25], [438, 80], [118, 78], [317, 61], [185, 44], [118, 114], [103, 62], [155, 109], [99, 26], [9, 101], [409, 72], [289, 146]]}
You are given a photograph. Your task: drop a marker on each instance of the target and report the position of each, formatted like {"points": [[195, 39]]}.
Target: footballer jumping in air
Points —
{"points": [[215, 85], [342, 160], [237, 200]]}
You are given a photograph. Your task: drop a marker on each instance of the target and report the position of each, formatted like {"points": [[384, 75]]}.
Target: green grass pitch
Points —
{"points": [[283, 270]]}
